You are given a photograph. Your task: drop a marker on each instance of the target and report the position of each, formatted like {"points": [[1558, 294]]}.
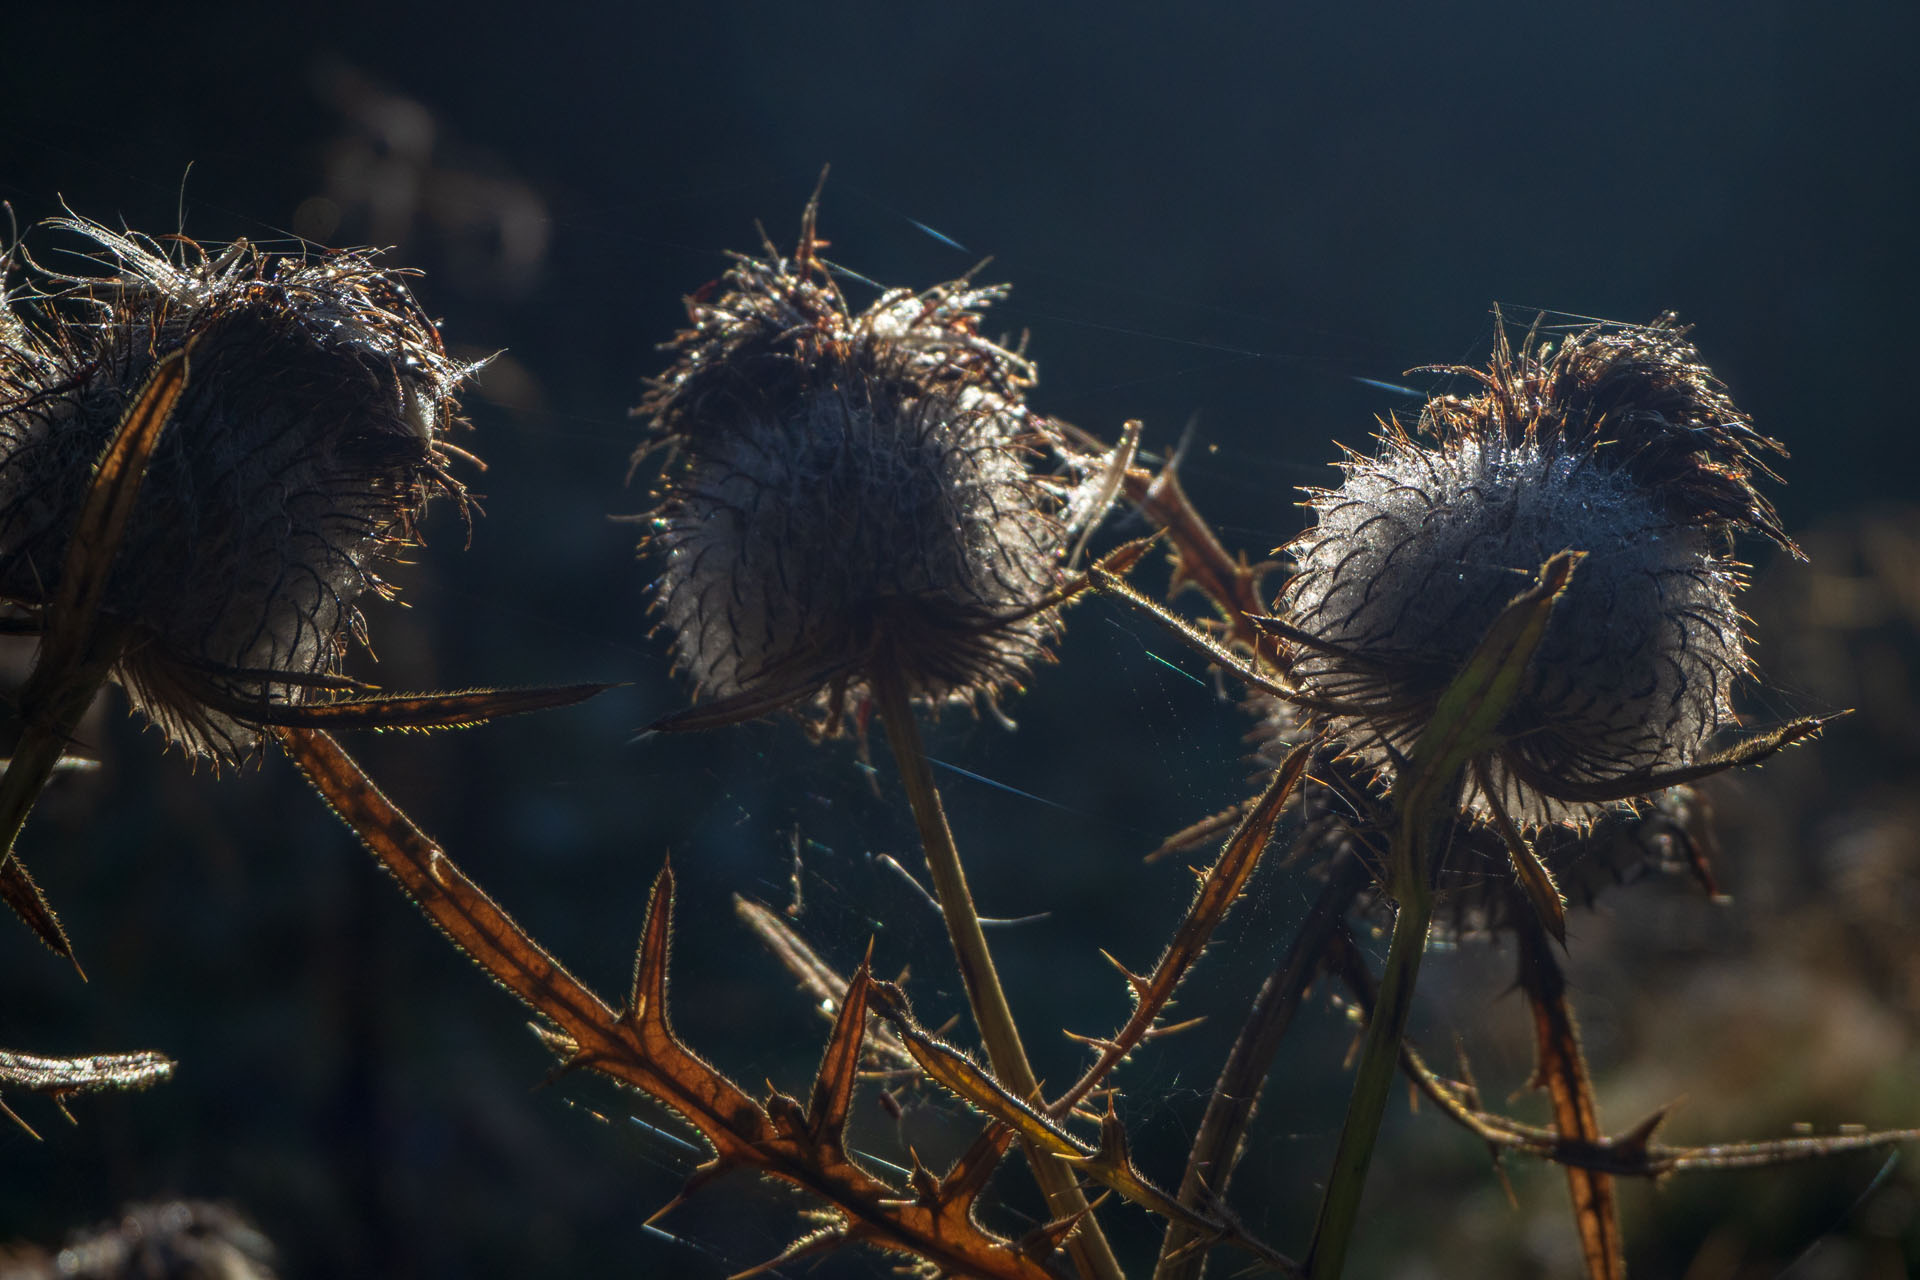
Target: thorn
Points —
{"points": [[1134, 980], [921, 1179], [1041, 1242], [785, 1112], [572, 1063], [14, 1116], [559, 1043], [1113, 1139], [700, 1177], [825, 1238], [1634, 1141], [1506, 1181], [1172, 1028], [1095, 1042]]}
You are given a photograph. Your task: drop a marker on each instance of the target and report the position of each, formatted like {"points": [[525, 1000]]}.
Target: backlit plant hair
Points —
{"points": [[205, 456], [1616, 442], [844, 492], [1523, 620], [1527, 616], [854, 516], [300, 454]]}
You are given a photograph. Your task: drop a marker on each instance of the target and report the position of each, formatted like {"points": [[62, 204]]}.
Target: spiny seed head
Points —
{"points": [[1616, 441], [845, 491], [301, 453]]}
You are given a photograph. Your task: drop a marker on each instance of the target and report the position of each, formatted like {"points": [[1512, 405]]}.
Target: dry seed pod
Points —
{"points": [[844, 491], [1616, 441], [302, 452]]}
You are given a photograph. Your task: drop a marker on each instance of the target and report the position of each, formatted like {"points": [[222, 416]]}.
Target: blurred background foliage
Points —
{"points": [[1234, 216]]}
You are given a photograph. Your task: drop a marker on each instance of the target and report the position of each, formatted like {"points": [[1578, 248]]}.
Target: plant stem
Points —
{"points": [[1092, 1256], [1427, 790], [1379, 1062]]}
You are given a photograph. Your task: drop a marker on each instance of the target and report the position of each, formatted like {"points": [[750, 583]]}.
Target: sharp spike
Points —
{"points": [[1134, 980]]}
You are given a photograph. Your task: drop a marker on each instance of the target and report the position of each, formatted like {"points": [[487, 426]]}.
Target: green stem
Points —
{"points": [[1379, 1062], [1427, 790], [1092, 1256]]}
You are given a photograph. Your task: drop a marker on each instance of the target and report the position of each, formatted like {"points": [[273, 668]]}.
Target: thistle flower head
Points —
{"points": [[844, 491], [1615, 441], [301, 453]]}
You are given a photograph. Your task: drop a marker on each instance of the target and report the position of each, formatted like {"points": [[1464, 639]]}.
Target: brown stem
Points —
{"points": [[1561, 1069]]}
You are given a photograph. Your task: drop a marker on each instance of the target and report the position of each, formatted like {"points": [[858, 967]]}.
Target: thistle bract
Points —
{"points": [[301, 453], [844, 491], [1617, 442]]}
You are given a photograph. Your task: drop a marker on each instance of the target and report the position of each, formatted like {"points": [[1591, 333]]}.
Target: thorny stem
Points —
{"points": [[1092, 1256]]}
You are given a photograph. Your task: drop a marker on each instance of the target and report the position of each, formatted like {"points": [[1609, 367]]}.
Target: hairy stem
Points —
{"points": [[1092, 1256]]}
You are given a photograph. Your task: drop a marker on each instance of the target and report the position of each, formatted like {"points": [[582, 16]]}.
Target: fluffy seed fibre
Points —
{"points": [[301, 453], [1615, 441], [844, 491]]}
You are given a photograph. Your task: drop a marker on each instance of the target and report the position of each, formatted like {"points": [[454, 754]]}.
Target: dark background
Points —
{"points": [[1230, 212]]}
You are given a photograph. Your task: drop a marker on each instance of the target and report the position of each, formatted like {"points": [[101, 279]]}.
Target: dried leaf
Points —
{"points": [[415, 711], [18, 891], [1217, 1145], [93, 1073], [75, 655], [1535, 880], [1466, 719], [1110, 1164], [60, 1078], [1749, 751], [1219, 889], [115, 488], [1229, 582]]}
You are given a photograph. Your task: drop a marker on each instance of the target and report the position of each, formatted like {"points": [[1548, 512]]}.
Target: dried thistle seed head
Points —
{"points": [[1615, 441], [301, 453], [845, 491]]}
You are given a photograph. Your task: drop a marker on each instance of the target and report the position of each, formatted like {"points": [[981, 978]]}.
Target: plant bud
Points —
{"points": [[843, 492], [301, 453], [1617, 442]]}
